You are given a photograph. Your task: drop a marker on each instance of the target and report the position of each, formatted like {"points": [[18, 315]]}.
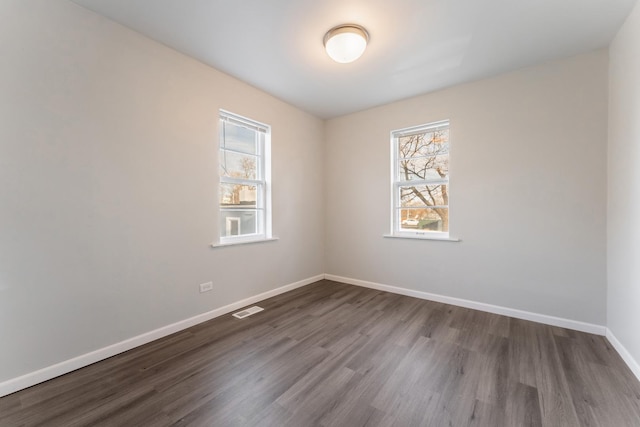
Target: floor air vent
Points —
{"points": [[248, 312]]}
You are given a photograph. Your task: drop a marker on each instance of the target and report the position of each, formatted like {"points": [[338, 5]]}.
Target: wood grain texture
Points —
{"points": [[331, 354]]}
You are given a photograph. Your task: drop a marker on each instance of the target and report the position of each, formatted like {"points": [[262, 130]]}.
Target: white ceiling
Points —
{"points": [[416, 46]]}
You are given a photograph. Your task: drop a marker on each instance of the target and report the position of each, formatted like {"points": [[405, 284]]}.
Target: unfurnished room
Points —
{"points": [[320, 213]]}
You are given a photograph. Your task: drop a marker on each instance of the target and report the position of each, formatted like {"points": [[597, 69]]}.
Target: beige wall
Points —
{"points": [[108, 186], [528, 192], [623, 215]]}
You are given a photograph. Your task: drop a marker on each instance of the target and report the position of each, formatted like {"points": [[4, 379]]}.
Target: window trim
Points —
{"points": [[396, 230], [262, 181]]}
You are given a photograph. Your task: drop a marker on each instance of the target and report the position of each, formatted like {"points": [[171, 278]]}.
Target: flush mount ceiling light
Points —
{"points": [[346, 43]]}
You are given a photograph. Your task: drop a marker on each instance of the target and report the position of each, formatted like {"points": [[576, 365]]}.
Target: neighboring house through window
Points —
{"points": [[420, 181], [244, 159]]}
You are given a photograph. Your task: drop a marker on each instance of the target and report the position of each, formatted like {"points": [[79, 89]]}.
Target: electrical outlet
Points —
{"points": [[206, 287]]}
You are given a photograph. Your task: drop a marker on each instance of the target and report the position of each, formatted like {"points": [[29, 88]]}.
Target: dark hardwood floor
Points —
{"points": [[331, 354]]}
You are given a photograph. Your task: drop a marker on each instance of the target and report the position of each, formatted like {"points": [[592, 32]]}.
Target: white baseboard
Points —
{"points": [[505, 311], [50, 372], [624, 353]]}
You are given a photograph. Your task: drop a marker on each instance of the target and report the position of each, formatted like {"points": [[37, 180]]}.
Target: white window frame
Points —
{"points": [[396, 183], [262, 181]]}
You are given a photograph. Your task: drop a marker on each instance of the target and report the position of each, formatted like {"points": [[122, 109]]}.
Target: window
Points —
{"points": [[244, 179], [420, 181]]}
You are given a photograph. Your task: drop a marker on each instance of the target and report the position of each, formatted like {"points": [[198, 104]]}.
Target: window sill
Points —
{"points": [[421, 237], [243, 242]]}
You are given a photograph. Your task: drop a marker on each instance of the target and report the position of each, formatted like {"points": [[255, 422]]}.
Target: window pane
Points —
{"points": [[239, 138], [244, 147], [424, 219], [424, 144], [421, 164], [236, 195], [421, 168], [424, 195], [239, 223], [238, 165]]}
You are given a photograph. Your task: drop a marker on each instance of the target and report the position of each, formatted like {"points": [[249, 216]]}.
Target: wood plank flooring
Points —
{"points": [[331, 354]]}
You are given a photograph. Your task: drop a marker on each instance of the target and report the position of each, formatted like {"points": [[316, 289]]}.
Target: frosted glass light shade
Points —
{"points": [[346, 43]]}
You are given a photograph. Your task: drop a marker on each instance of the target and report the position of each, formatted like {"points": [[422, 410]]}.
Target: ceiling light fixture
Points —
{"points": [[346, 43]]}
